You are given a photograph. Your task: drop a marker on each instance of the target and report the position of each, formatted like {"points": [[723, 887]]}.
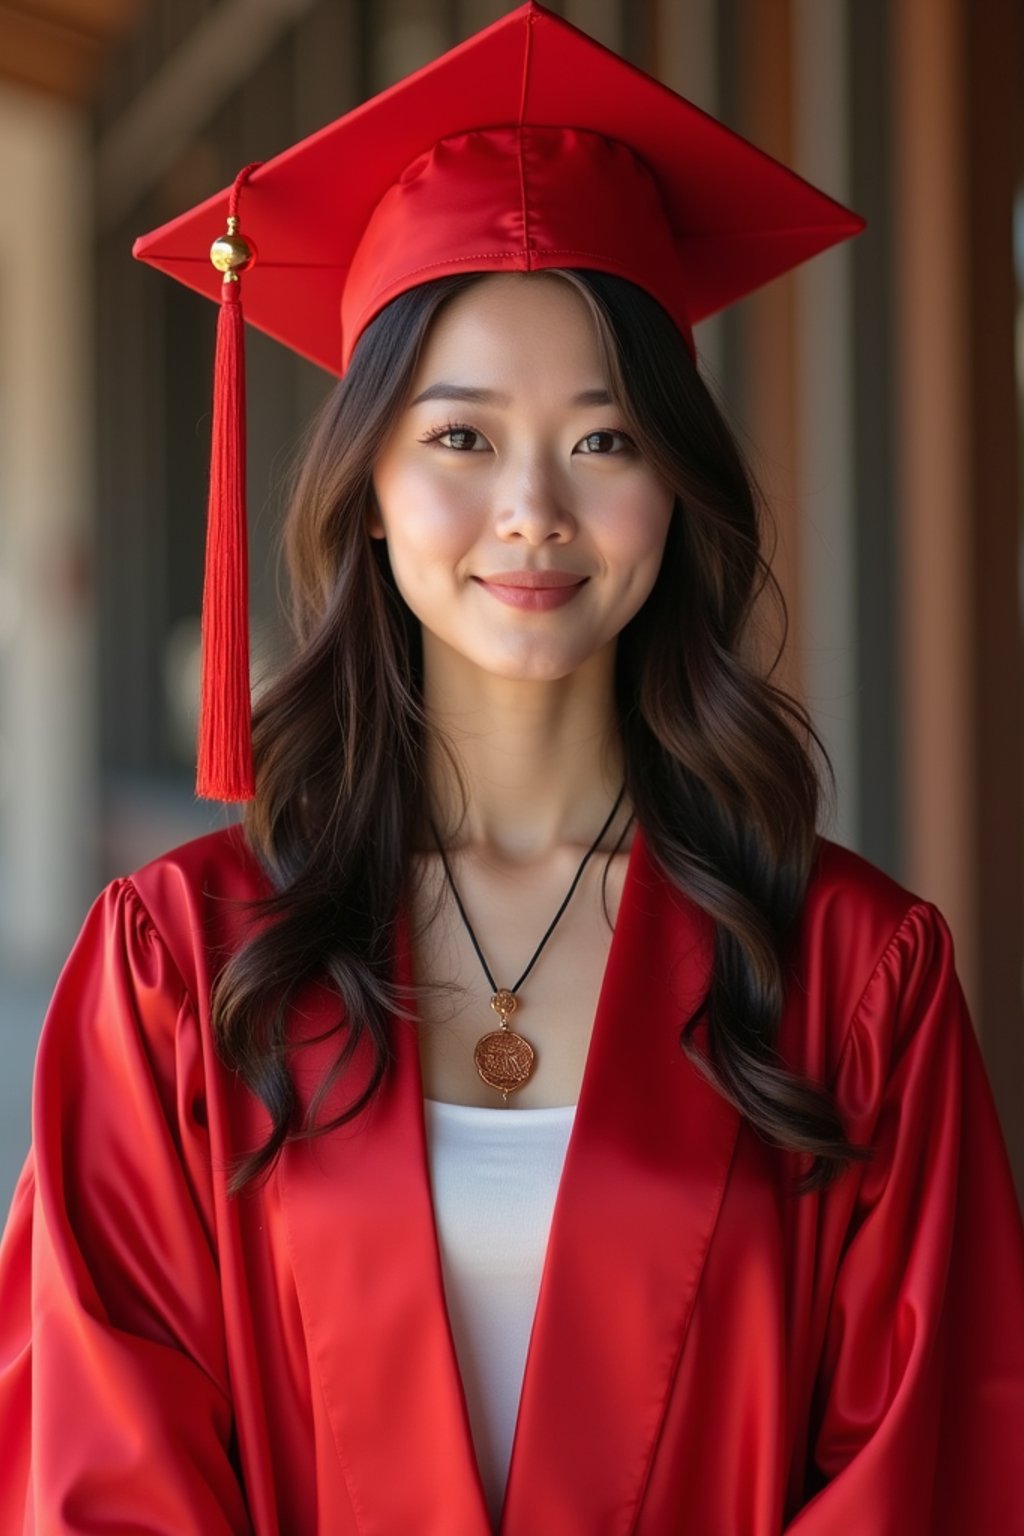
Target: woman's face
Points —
{"points": [[509, 462]]}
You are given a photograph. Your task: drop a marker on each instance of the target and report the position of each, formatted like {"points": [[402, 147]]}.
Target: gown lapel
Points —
{"points": [[641, 1186], [643, 1179]]}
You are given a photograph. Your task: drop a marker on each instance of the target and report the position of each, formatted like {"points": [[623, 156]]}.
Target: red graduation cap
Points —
{"points": [[527, 146]]}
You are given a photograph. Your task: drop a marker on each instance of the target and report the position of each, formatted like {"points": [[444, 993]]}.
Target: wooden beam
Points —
{"points": [[46, 56], [58, 46]]}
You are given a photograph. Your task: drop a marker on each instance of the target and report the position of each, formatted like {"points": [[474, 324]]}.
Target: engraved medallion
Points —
{"points": [[504, 1060]]}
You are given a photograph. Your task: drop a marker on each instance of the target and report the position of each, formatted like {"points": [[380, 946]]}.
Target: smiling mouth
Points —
{"points": [[532, 597], [535, 581]]}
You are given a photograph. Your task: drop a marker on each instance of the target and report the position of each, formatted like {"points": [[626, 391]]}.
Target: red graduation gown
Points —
{"points": [[710, 1355]]}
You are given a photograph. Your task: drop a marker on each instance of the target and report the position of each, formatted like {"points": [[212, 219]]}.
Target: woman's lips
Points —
{"points": [[535, 598]]}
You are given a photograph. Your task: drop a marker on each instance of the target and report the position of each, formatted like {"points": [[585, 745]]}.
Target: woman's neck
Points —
{"points": [[542, 762]]}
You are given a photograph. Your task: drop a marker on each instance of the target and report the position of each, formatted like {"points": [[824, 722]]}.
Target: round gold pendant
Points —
{"points": [[504, 1060]]}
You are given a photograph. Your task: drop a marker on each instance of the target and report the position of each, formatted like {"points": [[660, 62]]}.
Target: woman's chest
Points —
{"points": [[556, 1002]]}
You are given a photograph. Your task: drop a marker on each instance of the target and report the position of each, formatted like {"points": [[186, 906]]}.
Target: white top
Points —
{"points": [[494, 1176]]}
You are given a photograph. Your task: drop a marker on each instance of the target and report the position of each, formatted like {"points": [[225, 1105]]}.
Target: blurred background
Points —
{"points": [[878, 392]]}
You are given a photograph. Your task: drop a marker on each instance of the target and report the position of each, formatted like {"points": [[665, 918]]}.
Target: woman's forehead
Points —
{"points": [[503, 323]]}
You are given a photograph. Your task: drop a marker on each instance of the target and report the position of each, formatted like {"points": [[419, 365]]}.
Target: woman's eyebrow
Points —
{"points": [[443, 391]]}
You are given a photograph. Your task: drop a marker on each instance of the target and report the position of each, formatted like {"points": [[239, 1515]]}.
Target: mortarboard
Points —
{"points": [[528, 146]]}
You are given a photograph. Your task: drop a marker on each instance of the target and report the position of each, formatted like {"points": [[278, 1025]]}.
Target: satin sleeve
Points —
{"points": [[918, 1417], [115, 1403]]}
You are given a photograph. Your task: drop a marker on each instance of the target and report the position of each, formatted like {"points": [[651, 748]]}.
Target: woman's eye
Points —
{"points": [[466, 439], [459, 433], [593, 438]]}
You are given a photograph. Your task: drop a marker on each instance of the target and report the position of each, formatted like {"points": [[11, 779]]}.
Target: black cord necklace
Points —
{"points": [[504, 1059]]}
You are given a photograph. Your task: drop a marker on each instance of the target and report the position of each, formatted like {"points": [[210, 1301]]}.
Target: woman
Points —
{"points": [[526, 1120]]}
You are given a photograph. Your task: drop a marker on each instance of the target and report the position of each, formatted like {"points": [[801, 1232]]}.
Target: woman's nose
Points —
{"points": [[533, 505]]}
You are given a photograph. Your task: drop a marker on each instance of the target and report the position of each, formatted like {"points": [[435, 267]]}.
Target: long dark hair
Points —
{"points": [[717, 758]]}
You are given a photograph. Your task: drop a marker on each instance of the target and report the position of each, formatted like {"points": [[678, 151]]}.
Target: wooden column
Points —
{"points": [[993, 37], [957, 134], [767, 320]]}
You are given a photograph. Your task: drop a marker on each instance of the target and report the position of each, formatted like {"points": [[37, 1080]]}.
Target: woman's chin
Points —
{"points": [[519, 669]]}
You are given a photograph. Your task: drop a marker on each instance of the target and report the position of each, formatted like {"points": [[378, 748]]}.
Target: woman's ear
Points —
{"points": [[374, 522]]}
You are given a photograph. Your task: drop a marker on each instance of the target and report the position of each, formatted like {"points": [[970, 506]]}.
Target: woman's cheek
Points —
{"points": [[635, 527], [437, 516]]}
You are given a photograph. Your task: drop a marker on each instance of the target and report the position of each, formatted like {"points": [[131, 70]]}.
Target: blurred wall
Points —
{"points": [[48, 764], [48, 699]]}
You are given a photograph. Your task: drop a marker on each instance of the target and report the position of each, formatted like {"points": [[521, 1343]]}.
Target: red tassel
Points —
{"points": [[225, 742], [225, 768]]}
